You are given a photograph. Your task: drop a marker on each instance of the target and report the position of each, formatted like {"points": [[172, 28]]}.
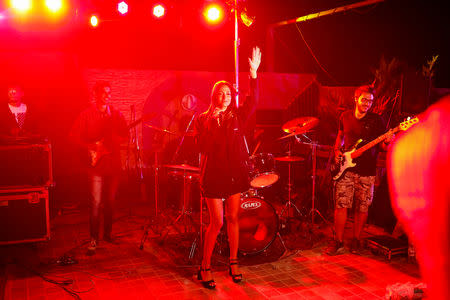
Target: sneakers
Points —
{"points": [[335, 248], [92, 247], [355, 246]]}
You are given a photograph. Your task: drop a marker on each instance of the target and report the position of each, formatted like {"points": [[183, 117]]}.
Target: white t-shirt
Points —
{"points": [[16, 110]]}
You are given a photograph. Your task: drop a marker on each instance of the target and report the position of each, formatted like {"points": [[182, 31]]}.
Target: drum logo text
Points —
{"points": [[251, 205]]}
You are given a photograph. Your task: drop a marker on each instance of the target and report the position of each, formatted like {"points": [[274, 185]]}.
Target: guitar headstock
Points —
{"points": [[405, 125]]}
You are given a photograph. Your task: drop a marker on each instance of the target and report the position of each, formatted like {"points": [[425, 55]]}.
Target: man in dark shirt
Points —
{"points": [[356, 184], [98, 131]]}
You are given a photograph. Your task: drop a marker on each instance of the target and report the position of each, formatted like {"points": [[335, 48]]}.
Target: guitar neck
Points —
{"points": [[367, 146]]}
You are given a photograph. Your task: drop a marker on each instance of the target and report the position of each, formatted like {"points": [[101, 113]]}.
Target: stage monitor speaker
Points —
{"points": [[24, 215], [25, 165]]}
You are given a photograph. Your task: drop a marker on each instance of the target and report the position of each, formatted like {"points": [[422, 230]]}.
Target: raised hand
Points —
{"points": [[254, 61]]}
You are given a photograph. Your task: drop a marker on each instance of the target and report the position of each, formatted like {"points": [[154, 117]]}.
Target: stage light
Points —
{"points": [[94, 21], [122, 7], [246, 19], [54, 5], [21, 5], [213, 13], [159, 11]]}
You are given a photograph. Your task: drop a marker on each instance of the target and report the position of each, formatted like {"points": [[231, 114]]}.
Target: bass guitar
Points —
{"points": [[346, 161]]}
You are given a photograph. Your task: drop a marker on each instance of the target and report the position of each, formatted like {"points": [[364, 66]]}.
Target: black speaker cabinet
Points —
{"points": [[24, 215], [25, 165]]}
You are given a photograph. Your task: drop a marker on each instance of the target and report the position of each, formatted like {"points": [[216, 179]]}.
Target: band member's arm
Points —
{"points": [[251, 102], [338, 145], [385, 144]]}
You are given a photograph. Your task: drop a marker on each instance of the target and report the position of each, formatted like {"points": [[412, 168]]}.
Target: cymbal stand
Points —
{"points": [[186, 211], [153, 220], [198, 240], [289, 203], [313, 145]]}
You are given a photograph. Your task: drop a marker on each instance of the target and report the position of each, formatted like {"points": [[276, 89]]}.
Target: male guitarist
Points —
{"points": [[356, 184], [99, 130]]}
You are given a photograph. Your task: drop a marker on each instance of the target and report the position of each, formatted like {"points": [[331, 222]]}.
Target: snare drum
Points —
{"points": [[258, 224], [262, 170]]}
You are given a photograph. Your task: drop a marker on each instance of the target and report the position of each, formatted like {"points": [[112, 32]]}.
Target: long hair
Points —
{"points": [[214, 95]]}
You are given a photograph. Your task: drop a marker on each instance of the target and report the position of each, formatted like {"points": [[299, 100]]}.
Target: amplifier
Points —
{"points": [[24, 215], [25, 165]]}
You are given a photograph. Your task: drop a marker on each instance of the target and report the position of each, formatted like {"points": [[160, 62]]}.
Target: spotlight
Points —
{"points": [[54, 5], [159, 11], [213, 13], [247, 19], [122, 7], [94, 21], [21, 5]]}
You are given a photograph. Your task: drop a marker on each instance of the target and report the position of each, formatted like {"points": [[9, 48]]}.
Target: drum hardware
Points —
{"points": [[314, 145], [186, 209], [183, 167], [298, 126], [188, 133], [289, 158], [154, 220], [262, 170], [295, 127], [289, 204]]}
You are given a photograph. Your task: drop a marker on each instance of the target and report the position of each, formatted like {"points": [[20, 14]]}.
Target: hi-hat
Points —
{"points": [[289, 158], [299, 126], [184, 167]]}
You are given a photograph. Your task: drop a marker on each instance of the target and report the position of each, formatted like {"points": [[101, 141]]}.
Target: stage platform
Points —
{"points": [[165, 268]]}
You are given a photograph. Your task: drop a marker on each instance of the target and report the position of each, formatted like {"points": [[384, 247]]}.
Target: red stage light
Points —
{"points": [[54, 5], [122, 7], [213, 13], [159, 11], [21, 5], [94, 21]]}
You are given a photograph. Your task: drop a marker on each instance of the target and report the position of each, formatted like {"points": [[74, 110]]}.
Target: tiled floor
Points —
{"points": [[164, 270]]}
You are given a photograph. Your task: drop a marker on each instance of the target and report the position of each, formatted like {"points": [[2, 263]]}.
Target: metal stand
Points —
{"points": [[313, 145], [186, 210], [198, 240], [153, 221], [289, 203], [313, 207]]}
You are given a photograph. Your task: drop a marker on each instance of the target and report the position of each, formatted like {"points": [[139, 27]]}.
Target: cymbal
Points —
{"points": [[289, 158], [159, 129], [183, 167], [189, 133], [299, 126]]}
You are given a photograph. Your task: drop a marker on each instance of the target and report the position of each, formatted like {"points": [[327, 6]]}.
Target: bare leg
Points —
{"points": [[340, 217], [215, 208], [360, 220], [232, 210]]}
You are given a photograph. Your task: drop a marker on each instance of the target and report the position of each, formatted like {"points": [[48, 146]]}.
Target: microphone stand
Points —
{"points": [[182, 139]]}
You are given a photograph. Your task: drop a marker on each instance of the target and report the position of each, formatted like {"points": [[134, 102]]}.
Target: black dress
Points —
{"points": [[224, 164]]}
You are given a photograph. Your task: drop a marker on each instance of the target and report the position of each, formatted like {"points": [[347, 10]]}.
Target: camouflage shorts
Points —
{"points": [[351, 187]]}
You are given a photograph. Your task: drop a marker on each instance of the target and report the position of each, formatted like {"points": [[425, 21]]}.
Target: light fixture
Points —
{"points": [[122, 7], [159, 10], [94, 21]]}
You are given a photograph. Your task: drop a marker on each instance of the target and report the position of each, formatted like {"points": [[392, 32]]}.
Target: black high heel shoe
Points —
{"points": [[236, 277], [210, 284]]}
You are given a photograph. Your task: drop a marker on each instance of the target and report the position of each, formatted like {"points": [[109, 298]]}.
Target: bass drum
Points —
{"points": [[258, 224]]}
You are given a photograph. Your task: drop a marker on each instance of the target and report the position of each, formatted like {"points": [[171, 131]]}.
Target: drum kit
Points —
{"points": [[259, 222]]}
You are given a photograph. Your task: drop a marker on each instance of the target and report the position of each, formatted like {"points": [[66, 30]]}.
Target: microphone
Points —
{"points": [[220, 118]]}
